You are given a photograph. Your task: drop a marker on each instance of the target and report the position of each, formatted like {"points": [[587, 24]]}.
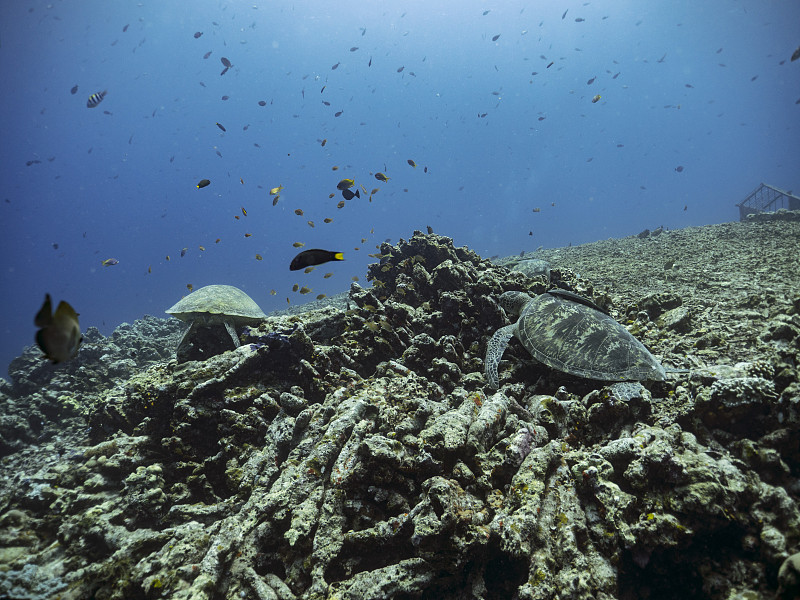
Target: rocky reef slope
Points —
{"points": [[356, 452]]}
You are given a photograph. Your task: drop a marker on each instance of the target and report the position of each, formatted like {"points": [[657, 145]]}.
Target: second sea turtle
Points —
{"points": [[214, 313], [570, 333]]}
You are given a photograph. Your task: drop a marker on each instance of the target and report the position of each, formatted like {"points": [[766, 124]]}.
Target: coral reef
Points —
{"points": [[353, 452]]}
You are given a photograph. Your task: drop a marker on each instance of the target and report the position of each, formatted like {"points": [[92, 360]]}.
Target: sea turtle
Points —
{"points": [[210, 311], [533, 267], [569, 333]]}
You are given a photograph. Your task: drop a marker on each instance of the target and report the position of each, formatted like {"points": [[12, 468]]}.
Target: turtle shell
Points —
{"points": [[575, 337], [217, 303]]}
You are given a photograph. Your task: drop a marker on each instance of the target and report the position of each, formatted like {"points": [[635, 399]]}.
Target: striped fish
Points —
{"points": [[95, 99]]}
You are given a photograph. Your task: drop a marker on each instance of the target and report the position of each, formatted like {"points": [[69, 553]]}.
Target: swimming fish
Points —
{"points": [[110, 262], [221, 127], [315, 256], [795, 54], [203, 183], [184, 251], [275, 200], [74, 89], [496, 37], [349, 195], [412, 163], [596, 99], [381, 177], [197, 34], [679, 169], [275, 190], [95, 99], [226, 62], [59, 334], [344, 184], [305, 290], [298, 211], [298, 244]]}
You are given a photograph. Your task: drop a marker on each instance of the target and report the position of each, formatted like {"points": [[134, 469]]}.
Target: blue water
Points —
{"points": [[122, 185]]}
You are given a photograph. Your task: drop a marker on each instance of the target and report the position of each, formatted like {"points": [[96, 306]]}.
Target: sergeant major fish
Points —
{"points": [[96, 99]]}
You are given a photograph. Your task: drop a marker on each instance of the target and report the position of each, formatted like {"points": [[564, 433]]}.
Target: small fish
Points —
{"points": [[275, 200], [259, 257], [579, 19], [203, 183], [218, 240], [167, 257], [298, 211], [225, 97], [298, 244], [496, 37], [679, 169], [334, 168], [244, 212], [334, 67], [95, 99], [310, 223], [202, 248], [349, 195], [327, 220], [340, 204], [197, 34], [400, 69], [273, 293], [241, 180], [74, 89], [591, 81], [59, 335], [596, 99], [345, 184], [382, 177], [262, 102], [248, 235], [308, 270], [550, 65], [355, 278], [110, 262], [338, 113], [320, 296], [323, 142], [124, 29], [184, 251], [327, 275], [795, 54], [565, 14], [375, 191], [149, 268], [295, 287], [190, 287], [275, 190], [354, 48], [412, 163], [226, 62], [305, 290], [221, 127], [207, 54], [537, 209], [315, 256]]}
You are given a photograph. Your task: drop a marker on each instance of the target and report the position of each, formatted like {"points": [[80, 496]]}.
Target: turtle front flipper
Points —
{"points": [[494, 352], [232, 332]]}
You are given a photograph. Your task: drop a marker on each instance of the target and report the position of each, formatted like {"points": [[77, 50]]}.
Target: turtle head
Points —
{"points": [[513, 302]]}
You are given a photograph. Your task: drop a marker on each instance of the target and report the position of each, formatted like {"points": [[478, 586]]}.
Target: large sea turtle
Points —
{"points": [[567, 332], [213, 312]]}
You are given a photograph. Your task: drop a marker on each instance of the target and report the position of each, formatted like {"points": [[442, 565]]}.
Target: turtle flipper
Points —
{"points": [[494, 352], [232, 332], [184, 339]]}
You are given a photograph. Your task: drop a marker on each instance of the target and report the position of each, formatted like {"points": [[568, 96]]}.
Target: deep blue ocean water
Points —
{"points": [[705, 86]]}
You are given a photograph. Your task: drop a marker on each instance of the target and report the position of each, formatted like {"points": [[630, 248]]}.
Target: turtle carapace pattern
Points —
{"points": [[211, 311], [570, 333]]}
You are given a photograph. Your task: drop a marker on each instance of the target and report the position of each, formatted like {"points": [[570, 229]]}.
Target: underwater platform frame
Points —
{"points": [[767, 198]]}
